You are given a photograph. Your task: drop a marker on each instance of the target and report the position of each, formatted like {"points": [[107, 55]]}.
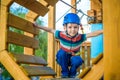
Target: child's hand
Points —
{"points": [[73, 54], [35, 24]]}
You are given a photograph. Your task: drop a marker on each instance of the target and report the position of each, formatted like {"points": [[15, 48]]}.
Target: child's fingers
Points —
{"points": [[35, 24]]}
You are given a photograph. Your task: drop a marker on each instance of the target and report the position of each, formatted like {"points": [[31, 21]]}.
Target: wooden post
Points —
{"points": [[3, 23], [30, 16], [73, 3], [57, 66], [83, 57], [88, 54], [51, 40], [96, 5], [95, 12], [111, 21], [5, 59]]}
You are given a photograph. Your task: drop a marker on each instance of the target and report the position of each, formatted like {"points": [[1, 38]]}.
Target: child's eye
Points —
{"points": [[69, 27], [75, 27]]}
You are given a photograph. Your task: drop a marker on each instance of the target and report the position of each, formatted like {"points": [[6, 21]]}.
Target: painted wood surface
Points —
{"points": [[28, 59], [30, 16], [21, 24], [51, 2], [13, 68], [111, 22], [96, 72], [38, 7], [51, 40], [22, 40]]}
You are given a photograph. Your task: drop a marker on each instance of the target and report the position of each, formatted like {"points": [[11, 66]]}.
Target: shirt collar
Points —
{"points": [[69, 35]]}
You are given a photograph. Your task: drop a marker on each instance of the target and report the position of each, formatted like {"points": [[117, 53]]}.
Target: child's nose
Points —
{"points": [[73, 28]]}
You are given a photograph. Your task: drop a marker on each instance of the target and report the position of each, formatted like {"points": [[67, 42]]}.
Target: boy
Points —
{"points": [[70, 41]]}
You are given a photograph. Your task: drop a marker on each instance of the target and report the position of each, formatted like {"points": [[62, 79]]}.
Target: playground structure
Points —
{"points": [[12, 62]]}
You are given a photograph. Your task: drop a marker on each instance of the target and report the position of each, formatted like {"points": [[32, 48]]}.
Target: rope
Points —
{"points": [[74, 8], [67, 11]]}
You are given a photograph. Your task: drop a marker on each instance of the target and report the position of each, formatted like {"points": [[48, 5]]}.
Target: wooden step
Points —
{"points": [[38, 7], [39, 71], [28, 59], [22, 40], [21, 24], [39, 68]]}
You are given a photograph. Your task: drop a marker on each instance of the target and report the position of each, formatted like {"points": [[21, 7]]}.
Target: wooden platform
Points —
{"points": [[96, 72], [61, 79]]}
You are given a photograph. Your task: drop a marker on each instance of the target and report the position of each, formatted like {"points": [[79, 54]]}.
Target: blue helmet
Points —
{"points": [[71, 18]]}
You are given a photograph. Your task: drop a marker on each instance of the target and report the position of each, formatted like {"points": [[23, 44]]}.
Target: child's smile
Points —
{"points": [[72, 29]]}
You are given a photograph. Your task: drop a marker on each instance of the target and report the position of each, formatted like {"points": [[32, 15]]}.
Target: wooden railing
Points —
{"points": [[85, 49]]}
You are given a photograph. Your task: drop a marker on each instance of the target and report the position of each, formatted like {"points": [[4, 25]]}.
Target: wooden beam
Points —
{"points": [[57, 67], [73, 3], [96, 72], [22, 40], [3, 22], [51, 40], [84, 72], [88, 55], [51, 2], [39, 71], [6, 3], [28, 59], [111, 22], [44, 3], [12, 67], [34, 6], [96, 60], [22, 24], [96, 5], [3, 19], [30, 16]]}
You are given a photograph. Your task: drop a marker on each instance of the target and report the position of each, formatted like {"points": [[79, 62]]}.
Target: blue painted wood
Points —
{"points": [[96, 42]]}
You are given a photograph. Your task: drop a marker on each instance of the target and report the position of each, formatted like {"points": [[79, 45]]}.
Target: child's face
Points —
{"points": [[72, 29]]}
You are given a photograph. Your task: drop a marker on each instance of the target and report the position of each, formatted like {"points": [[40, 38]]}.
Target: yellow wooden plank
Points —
{"points": [[12, 67], [29, 59], [51, 40], [57, 67], [84, 72], [73, 3], [3, 22], [111, 21], [83, 57], [88, 55], [34, 6], [6, 2], [51, 2], [44, 3], [30, 16], [22, 40], [39, 71], [96, 71], [96, 4], [94, 61], [22, 24]]}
